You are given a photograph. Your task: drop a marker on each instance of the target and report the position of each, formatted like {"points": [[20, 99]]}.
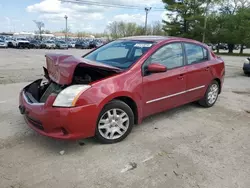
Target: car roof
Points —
{"points": [[149, 38], [158, 39]]}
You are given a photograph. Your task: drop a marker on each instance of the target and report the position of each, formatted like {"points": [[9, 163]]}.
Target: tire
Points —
{"points": [[107, 117], [212, 91], [247, 73]]}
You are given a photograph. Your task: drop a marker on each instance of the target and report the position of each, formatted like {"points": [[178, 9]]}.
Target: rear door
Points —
{"points": [[165, 90], [198, 71]]}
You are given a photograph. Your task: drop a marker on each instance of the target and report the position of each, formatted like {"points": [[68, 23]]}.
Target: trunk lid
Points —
{"points": [[61, 68]]}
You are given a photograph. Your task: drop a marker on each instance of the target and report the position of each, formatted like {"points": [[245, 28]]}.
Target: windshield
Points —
{"points": [[49, 42], [121, 54], [62, 42]]}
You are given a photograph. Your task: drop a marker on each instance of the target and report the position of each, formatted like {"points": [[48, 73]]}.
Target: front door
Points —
{"points": [[165, 90]]}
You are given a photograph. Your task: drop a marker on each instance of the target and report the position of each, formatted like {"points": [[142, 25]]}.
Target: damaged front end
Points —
{"points": [[62, 72], [49, 105], [40, 90]]}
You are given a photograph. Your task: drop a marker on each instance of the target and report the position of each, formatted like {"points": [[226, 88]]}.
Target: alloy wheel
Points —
{"points": [[213, 93], [113, 124]]}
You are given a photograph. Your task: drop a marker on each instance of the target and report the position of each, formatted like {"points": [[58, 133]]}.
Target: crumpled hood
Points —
{"points": [[61, 67]]}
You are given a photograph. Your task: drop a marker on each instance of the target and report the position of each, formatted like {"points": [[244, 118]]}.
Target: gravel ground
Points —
{"points": [[189, 146]]}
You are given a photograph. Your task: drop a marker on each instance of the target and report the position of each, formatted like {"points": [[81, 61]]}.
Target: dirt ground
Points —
{"points": [[187, 147]]}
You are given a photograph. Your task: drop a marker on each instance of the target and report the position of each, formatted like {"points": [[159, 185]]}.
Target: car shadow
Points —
{"points": [[63, 147], [170, 113]]}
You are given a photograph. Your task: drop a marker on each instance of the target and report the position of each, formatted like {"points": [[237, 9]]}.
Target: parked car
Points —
{"points": [[3, 43], [82, 45], [61, 44], [93, 44], [246, 67], [108, 90], [236, 47], [9, 42], [71, 44], [20, 43], [35, 44], [49, 44], [211, 46], [222, 46]]}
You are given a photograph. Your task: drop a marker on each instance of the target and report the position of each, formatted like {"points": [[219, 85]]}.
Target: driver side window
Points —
{"points": [[170, 55]]}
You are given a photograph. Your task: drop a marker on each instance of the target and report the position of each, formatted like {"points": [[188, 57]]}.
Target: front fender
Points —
{"points": [[134, 97]]}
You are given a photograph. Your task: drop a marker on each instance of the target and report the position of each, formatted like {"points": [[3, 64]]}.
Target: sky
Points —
{"points": [[19, 15]]}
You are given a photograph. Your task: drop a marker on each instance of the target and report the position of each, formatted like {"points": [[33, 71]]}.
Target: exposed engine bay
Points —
{"points": [[40, 90], [86, 75]]}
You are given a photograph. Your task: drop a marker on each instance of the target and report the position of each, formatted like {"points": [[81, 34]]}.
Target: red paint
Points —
{"points": [[156, 68], [80, 121], [61, 67]]}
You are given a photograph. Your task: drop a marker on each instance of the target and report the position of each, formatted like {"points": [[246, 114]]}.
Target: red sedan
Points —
{"points": [[108, 90]]}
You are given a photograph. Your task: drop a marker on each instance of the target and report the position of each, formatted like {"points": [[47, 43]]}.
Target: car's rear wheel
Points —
{"points": [[115, 122], [211, 95]]}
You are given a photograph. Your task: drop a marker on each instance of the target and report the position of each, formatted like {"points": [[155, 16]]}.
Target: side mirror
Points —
{"points": [[156, 67]]}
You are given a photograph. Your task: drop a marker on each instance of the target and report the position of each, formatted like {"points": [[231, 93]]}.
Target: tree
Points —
{"points": [[123, 29], [214, 30], [184, 19], [47, 32], [140, 30], [242, 20], [113, 30], [40, 25], [155, 29], [208, 4]]}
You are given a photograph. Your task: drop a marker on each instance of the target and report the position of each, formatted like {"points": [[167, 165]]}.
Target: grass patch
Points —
{"points": [[234, 54]]}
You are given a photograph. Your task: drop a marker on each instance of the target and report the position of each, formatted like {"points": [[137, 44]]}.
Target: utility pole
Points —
{"points": [[66, 29], [146, 20]]}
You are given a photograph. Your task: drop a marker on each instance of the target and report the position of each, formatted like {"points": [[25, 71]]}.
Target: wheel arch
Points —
{"points": [[131, 103], [129, 100]]}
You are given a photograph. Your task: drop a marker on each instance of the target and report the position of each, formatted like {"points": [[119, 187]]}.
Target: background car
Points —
{"points": [[246, 67], [3, 43], [35, 44], [21, 43], [236, 47], [211, 46], [61, 44], [81, 45], [93, 44], [49, 44], [9, 40], [222, 46], [71, 44]]}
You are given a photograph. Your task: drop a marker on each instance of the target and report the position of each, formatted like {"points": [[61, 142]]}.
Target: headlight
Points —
{"points": [[69, 96]]}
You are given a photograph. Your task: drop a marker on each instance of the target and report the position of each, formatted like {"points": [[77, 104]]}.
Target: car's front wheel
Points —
{"points": [[211, 95], [115, 122]]}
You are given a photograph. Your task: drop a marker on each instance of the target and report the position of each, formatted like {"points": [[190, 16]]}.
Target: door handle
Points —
{"points": [[207, 68], [180, 77]]}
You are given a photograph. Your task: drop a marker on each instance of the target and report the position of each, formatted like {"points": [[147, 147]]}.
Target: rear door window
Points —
{"points": [[195, 53]]}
